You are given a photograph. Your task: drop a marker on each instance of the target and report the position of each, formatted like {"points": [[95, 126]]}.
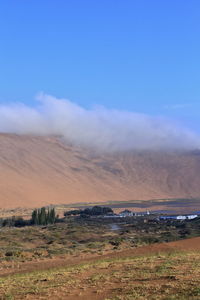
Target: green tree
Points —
{"points": [[34, 219], [43, 216], [52, 216]]}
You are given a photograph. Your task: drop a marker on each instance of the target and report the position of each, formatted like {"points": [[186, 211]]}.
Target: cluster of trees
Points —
{"points": [[43, 216], [94, 211], [14, 222]]}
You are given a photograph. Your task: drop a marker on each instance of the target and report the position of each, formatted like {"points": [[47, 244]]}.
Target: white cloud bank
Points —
{"points": [[100, 128]]}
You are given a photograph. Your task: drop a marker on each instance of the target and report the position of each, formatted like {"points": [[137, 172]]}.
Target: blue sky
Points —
{"points": [[140, 56]]}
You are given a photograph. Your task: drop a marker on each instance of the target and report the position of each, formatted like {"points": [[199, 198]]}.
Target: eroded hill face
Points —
{"points": [[36, 171]]}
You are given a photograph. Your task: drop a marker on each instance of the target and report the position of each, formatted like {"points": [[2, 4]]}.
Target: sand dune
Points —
{"points": [[37, 171]]}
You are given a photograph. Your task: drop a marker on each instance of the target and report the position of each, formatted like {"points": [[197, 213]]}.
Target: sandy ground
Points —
{"points": [[36, 171]]}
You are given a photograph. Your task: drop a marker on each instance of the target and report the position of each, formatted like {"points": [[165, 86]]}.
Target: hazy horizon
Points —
{"points": [[98, 128]]}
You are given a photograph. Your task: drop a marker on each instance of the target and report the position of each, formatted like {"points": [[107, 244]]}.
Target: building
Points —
{"points": [[179, 217], [126, 213], [191, 217]]}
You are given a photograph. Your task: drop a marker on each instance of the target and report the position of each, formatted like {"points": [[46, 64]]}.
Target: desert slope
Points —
{"points": [[36, 171]]}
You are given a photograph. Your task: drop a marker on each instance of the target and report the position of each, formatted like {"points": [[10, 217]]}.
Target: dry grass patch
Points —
{"points": [[163, 276]]}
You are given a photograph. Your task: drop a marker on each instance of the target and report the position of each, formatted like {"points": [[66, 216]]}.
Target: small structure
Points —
{"points": [[179, 217], [142, 214], [126, 213], [191, 217]]}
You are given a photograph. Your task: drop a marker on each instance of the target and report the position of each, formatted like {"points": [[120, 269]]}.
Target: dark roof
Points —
{"points": [[126, 211]]}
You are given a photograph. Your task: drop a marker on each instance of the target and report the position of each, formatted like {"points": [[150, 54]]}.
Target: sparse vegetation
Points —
{"points": [[173, 275], [82, 243], [76, 235]]}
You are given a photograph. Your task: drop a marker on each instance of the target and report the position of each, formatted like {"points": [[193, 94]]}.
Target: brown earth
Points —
{"points": [[36, 171], [159, 271], [8, 268]]}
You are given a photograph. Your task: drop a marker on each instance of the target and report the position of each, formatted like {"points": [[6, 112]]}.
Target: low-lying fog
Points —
{"points": [[99, 128]]}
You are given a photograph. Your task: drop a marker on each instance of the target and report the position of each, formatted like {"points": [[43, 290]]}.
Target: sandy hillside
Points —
{"points": [[44, 170]]}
